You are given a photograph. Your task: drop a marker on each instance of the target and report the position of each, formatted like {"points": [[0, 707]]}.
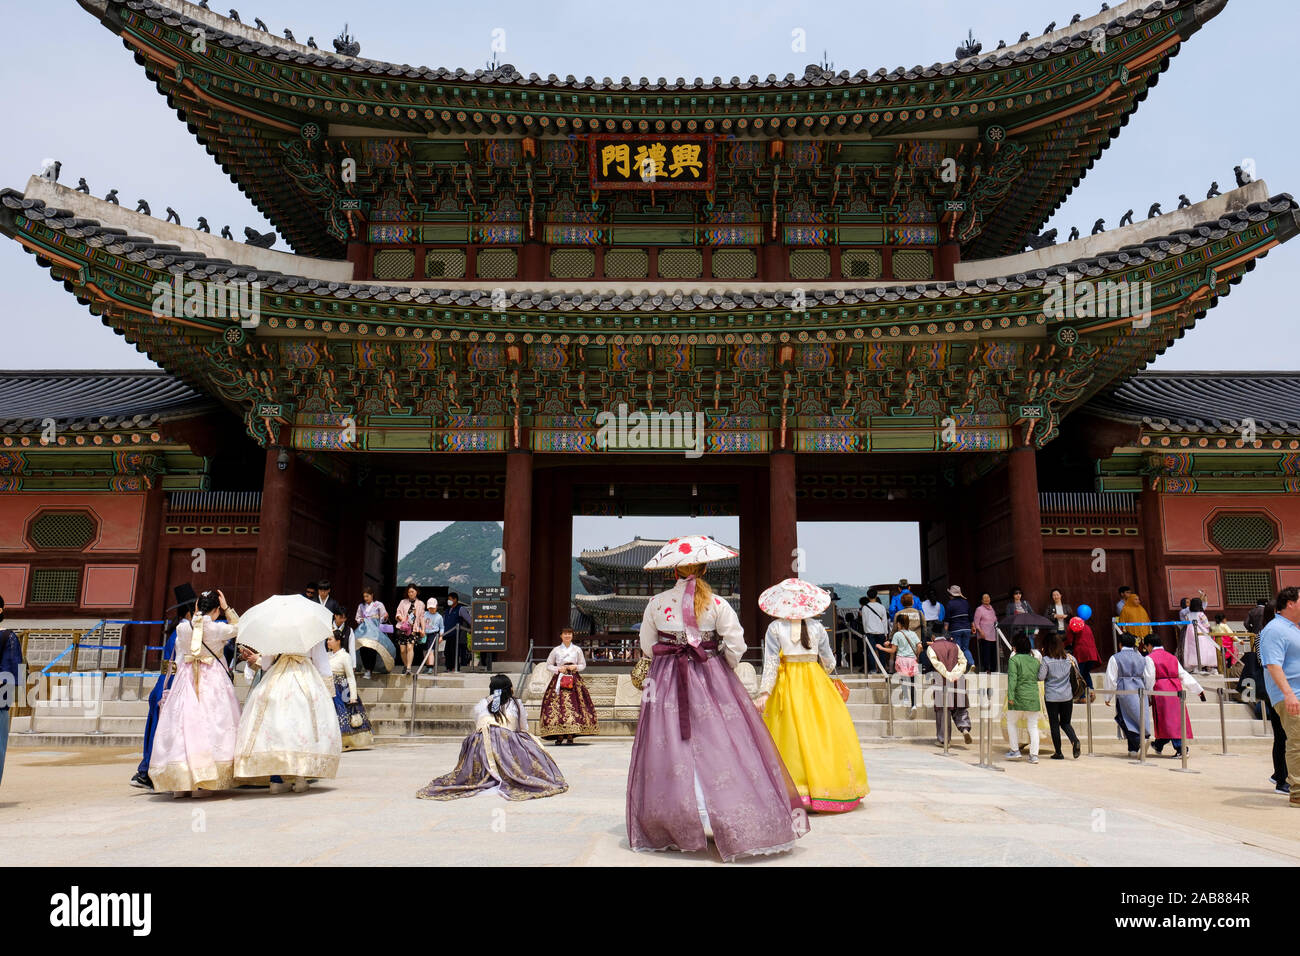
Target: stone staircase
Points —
{"points": [[444, 708]]}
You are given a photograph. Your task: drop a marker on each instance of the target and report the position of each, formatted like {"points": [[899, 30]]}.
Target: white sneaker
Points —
{"points": [[1033, 759], [1012, 755], [367, 675]]}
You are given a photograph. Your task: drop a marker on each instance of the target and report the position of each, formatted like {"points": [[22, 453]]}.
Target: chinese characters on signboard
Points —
{"points": [[651, 162]]}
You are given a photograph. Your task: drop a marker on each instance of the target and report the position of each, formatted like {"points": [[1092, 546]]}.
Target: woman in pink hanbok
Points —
{"points": [[194, 747], [703, 760]]}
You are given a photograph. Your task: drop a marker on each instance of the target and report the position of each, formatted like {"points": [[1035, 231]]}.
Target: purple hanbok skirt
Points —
{"points": [[752, 803], [494, 758]]}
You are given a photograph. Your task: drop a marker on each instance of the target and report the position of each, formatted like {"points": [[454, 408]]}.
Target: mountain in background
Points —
{"points": [[459, 557]]}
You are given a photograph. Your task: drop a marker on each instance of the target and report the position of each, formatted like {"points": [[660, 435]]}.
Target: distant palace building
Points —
{"points": [[619, 587], [828, 271]]}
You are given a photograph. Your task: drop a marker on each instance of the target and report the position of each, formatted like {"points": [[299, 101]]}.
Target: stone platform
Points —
{"points": [[74, 807]]}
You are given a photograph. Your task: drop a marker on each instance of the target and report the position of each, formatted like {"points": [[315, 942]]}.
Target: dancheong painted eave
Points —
{"points": [[250, 95], [885, 354]]}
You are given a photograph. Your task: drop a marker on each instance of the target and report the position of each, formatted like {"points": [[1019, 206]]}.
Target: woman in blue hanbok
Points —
{"points": [[374, 648]]}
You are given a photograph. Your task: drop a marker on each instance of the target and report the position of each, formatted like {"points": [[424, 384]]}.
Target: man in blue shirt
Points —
{"points": [[1279, 652], [896, 602]]}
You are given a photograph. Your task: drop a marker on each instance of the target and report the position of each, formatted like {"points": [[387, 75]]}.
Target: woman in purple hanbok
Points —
{"points": [[703, 760], [500, 756]]}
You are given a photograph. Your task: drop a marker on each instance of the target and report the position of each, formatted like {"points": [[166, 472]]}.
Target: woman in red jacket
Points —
{"points": [[1085, 647]]}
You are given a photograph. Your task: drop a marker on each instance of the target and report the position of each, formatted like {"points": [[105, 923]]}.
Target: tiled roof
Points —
{"points": [[247, 40], [1217, 402], [196, 266], [94, 399], [634, 555]]}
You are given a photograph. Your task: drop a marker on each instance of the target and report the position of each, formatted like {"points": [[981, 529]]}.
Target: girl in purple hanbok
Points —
{"points": [[703, 761]]}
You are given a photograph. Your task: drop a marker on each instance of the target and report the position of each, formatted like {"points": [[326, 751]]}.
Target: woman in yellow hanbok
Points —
{"points": [[803, 710]]}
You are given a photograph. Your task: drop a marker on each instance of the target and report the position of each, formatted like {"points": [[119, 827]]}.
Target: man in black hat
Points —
{"points": [[184, 607]]}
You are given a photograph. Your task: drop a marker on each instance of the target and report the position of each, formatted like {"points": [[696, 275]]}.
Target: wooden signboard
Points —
{"points": [[650, 161]]}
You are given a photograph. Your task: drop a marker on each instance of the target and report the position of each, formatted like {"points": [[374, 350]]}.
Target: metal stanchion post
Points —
{"points": [[1142, 726], [411, 732], [1223, 723], [1087, 706], [1187, 727], [889, 711]]}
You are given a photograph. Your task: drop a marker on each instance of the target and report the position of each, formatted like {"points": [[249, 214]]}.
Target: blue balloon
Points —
{"points": [[1084, 611]]}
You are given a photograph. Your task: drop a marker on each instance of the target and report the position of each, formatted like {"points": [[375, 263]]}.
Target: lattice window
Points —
{"points": [[680, 264], [627, 264], [444, 264], [913, 264], [55, 586], [497, 263], [1243, 532], [734, 264], [861, 264], [810, 264], [395, 264], [61, 530], [573, 264], [1246, 587]]}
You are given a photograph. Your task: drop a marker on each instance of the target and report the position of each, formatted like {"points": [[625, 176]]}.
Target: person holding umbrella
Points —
{"points": [[1020, 616], [801, 705], [194, 745], [702, 759], [289, 728]]}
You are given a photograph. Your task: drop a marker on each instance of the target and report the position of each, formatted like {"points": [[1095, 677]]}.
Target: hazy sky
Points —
{"points": [[75, 94]]}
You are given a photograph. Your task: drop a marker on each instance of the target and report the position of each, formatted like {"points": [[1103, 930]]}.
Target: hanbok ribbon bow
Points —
{"points": [[196, 647], [688, 613], [690, 652]]}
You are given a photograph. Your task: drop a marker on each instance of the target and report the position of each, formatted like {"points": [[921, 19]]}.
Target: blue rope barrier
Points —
{"points": [[1151, 623]]}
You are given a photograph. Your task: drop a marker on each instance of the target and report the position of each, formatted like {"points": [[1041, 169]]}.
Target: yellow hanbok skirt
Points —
{"points": [[814, 733]]}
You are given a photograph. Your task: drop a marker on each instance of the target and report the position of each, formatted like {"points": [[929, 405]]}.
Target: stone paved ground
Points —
{"points": [[74, 808]]}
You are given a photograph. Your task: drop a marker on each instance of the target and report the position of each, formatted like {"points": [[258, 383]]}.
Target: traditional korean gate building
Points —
{"points": [[827, 269]]}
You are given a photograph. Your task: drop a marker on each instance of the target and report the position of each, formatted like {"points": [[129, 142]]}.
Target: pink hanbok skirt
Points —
{"points": [[194, 747]]}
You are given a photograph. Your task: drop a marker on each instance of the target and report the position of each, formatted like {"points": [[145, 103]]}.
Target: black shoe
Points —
{"points": [[1283, 788], [142, 781], [1159, 748], [1058, 756], [1076, 750]]}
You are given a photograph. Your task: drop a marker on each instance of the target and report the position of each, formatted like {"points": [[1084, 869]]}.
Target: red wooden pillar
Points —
{"points": [[515, 539], [147, 603], [784, 537], [1026, 524], [753, 559], [1153, 577], [946, 263], [273, 534]]}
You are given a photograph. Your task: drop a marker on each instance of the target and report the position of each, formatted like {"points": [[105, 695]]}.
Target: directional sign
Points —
{"points": [[490, 593]]}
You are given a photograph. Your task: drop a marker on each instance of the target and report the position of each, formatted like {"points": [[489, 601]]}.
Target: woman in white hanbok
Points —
{"points": [[289, 728]]}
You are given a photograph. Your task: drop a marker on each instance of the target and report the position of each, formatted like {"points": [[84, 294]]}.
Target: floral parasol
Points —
{"points": [[793, 600], [691, 549]]}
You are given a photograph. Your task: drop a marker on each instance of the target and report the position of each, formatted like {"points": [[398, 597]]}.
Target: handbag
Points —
{"points": [[566, 681], [355, 720], [640, 671], [1078, 686], [842, 688]]}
